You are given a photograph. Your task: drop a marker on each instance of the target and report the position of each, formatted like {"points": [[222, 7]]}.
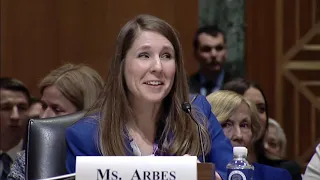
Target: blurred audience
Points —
{"points": [[240, 122], [68, 89], [313, 168], [209, 47], [34, 112], [65, 90], [35, 108], [275, 141], [14, 104], [253, 92]]}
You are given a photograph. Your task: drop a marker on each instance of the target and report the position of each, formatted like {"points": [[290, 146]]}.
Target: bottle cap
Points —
{"points": [[240, 151]]}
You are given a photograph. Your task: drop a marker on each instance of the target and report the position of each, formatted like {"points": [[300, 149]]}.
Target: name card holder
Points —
{"points": [[142, 168], [206, 171]]}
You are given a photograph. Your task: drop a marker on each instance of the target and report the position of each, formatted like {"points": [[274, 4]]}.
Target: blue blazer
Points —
{"points": [[82, 139], [264, 172]]}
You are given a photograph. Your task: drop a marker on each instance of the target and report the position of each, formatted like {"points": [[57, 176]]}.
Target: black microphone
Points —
{"points": [[186, 107]]}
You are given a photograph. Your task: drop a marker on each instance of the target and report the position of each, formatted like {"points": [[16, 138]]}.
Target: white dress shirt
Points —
{"points": [[313, 168]]}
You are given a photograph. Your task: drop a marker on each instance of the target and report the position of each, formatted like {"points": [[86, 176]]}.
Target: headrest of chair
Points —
{"points": [[64, 121], [46, 151]]}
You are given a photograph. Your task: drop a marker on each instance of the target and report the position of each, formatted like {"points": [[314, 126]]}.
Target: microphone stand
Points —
{"points": [[186, 107]]}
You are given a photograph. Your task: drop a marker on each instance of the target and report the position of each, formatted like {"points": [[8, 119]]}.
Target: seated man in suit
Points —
{"points": [[14, 104], [209, 46]]}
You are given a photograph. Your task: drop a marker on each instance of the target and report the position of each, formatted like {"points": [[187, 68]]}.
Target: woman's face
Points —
{"points": [[272, 143], [238, 127], [255, 96], [150, 68], [54, 103]]}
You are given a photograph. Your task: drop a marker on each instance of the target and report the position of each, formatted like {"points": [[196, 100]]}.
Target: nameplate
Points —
{"points": [[136, 168]]}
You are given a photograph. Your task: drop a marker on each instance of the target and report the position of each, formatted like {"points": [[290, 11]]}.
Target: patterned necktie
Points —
{"points": [[6, 161]]}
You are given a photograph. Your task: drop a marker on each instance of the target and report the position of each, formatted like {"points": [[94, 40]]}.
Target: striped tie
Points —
{"points": [[6, 161]]}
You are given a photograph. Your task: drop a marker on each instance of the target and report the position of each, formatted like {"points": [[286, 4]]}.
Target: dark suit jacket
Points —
{"points": [[291, 166], [195, 84], [264, 172]]}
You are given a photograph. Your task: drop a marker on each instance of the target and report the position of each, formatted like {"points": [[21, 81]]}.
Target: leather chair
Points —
{"points": [[46, 146]]}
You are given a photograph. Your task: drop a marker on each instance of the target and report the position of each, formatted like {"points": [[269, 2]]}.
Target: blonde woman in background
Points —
{"points": [[253, 92], [69, 89], [240, 122], [65, 90]]}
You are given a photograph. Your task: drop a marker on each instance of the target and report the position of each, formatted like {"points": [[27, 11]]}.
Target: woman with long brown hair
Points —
{"points": [[141, 110]]}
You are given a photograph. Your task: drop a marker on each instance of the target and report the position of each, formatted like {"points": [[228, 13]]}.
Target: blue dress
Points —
{"points": [[82, 139]]}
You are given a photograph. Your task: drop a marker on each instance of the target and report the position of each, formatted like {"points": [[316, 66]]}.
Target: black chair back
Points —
{"points": [[46, 146]]}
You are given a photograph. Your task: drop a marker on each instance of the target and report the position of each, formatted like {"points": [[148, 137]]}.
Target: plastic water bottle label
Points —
{"points": [[243, 174]]}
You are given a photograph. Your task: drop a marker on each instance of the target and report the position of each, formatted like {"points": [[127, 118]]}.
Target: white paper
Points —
{"points": [[136, 167], [66, 176]]}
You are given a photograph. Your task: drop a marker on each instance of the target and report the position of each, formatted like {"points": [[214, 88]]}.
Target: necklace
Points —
{"points": [[137, 152], [135, 147]]}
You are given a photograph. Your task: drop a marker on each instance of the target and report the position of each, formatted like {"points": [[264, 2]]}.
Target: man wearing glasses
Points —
{"points": [[210, 51]]}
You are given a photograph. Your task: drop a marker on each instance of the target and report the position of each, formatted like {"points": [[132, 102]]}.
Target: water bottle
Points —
{"points": [[239, 168]]}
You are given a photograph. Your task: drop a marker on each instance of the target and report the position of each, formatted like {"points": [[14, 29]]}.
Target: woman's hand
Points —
{"points": [[217, 176], [215, 173]]}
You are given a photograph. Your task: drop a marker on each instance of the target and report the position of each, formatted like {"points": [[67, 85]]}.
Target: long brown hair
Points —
{"points": [[178, 133]]}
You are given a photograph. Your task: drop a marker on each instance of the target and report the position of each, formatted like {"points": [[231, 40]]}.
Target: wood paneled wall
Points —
{"points": [[40, 35], [283, 55], [260, 46]]}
